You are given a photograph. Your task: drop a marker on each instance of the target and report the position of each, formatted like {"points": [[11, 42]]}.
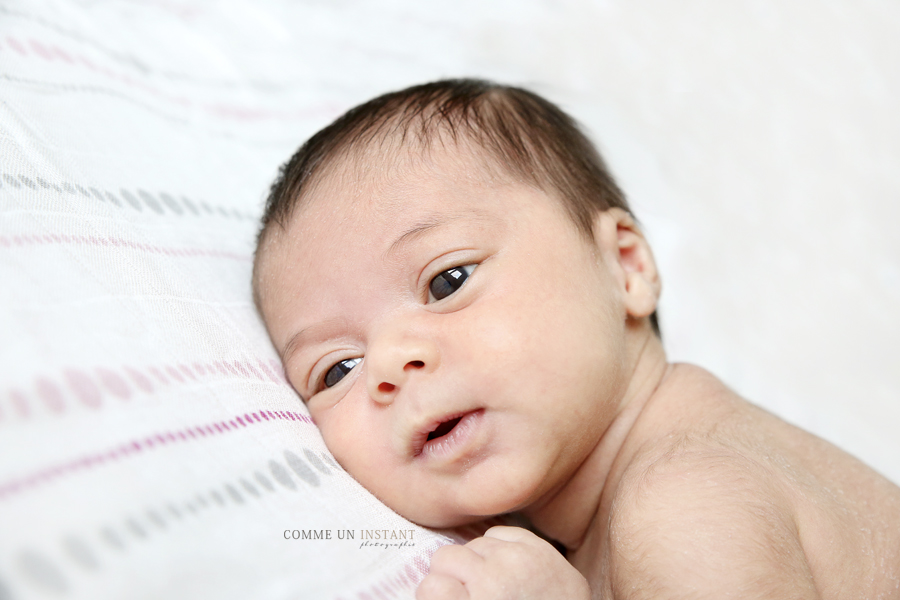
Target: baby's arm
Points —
{"points": [[508, 563], [707, 526]]}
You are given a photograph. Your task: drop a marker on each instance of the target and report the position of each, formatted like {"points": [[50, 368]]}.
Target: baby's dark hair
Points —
{"points": [[527, 137]]}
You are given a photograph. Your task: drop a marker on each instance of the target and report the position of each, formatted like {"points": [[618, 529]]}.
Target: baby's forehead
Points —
{"points": [[417, 193], [390, 161], [391, 181]]}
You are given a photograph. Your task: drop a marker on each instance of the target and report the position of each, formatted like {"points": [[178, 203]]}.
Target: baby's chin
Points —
{"points": [[470, 501], [444, 517], [447, 521]]}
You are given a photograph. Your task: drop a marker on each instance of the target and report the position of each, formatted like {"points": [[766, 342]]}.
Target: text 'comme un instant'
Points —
{"points": [[374, 538]]}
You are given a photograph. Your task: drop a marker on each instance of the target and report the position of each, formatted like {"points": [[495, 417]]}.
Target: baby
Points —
{"points": [[463, 299]]}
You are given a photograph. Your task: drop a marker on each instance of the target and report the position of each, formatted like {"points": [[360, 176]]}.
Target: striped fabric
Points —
{"points": [[149, 444]]}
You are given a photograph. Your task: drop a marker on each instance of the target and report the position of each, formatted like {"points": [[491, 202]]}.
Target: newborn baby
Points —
{"points": [[461, 296]]}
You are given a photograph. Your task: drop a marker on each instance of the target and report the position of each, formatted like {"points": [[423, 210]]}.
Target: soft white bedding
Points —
{"points": [[149, 445]]}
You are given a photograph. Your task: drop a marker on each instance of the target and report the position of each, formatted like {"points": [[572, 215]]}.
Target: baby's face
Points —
{"points": [[460, 345]]}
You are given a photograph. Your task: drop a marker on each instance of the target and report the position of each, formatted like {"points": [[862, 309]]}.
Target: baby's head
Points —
{"points": [[459, 293]]}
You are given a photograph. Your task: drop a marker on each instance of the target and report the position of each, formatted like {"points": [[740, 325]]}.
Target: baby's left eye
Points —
{"points": [[337, 371], [447, 282]]}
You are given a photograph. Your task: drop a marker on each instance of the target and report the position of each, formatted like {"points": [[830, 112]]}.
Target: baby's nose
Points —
{"points": [[392, 362], [386, 387]]}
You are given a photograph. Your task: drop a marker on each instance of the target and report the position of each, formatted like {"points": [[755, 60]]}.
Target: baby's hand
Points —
{"points": [[507, 563]]}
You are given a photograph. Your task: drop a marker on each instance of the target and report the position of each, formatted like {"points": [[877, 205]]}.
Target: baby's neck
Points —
{"points": [[566, 516]]}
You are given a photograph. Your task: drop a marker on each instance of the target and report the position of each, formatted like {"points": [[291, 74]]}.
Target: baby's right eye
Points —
{"points": [[337, 372], [447, 282]]}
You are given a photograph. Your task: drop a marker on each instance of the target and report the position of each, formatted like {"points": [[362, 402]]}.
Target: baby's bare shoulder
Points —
{"points": [[718, 495], [695, 518]]}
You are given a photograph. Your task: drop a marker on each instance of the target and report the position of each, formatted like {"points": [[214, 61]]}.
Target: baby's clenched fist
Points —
{"points": [[507, 563]]}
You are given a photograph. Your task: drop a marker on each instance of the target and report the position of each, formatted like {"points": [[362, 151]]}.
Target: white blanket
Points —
{"points": [[149, 445]]}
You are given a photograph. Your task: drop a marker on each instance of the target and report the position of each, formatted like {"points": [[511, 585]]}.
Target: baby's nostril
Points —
{"points": [[385, 388], [416, 364]]}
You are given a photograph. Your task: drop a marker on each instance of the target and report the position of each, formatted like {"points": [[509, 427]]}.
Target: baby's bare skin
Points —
{"points": [[808, 520], [659, 480], [708, 497]]}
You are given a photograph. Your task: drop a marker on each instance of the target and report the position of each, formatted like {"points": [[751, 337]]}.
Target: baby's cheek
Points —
{"points": [[342, 439], [496, 337]]}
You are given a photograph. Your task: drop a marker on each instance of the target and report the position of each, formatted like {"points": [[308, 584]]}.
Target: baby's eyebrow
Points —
{"points": [[418, 229], [434, 221], [300, 338]]}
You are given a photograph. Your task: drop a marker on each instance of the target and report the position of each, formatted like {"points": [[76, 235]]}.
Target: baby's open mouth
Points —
{"points": [[437, 439], [443, 429]]}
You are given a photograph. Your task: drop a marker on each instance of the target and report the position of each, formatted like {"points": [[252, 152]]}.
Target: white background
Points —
{"points": [[759, 143]]}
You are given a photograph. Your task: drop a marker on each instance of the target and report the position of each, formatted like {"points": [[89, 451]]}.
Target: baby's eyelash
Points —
{"points": [[337, 372], [447, 282], [444, 284]]}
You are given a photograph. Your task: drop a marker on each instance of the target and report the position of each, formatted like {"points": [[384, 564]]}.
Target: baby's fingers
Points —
{"points": [[457, 562], [437, 586], [512, 534]]}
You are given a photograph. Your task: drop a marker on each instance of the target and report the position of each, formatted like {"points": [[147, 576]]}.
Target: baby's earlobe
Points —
{"points": [[641, 278], [641, 296]]}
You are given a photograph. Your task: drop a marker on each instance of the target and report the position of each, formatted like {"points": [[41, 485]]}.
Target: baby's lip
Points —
{"points": [[425, 427]]}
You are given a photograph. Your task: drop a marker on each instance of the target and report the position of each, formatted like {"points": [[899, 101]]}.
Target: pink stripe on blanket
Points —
{"points": [[404, 580], [92, 387], [137, 446], [51, 52]]}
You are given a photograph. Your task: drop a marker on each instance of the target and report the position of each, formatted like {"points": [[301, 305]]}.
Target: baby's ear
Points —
{"points": [[625, 245]]}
